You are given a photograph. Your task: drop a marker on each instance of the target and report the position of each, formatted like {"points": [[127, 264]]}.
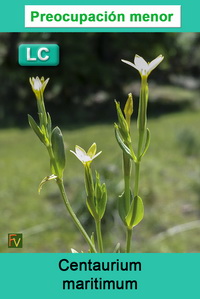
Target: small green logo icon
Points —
{"points": [[15, 240]]}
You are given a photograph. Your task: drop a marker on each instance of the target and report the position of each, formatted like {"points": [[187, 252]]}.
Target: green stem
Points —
{"points": [[99, 235], [128, 240], [89, 187], [137, 178], [142, 111], [73, 215], [136, 190], [140, 144], [67, 203], [42, 111], [127, 174]]}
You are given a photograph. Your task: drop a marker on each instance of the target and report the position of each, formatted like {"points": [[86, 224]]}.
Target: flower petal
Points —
{"points": [[97, 155], [44, 84], [31, 81], [73, 250], [74, 154], [154, 63], [80, 151], [82, 157], [129, 63], [92, 150], [141, 64], [37, 84]]}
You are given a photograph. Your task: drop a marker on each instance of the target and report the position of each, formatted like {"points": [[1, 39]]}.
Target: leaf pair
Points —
{"points": [[134, 214], [128, 151], [123, 126], [52, 139]]}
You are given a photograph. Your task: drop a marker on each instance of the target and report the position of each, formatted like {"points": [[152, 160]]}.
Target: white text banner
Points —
{"points": [[102, 16]]}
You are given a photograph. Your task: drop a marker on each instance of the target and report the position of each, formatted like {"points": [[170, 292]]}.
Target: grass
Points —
{"points": [[170, 188]]}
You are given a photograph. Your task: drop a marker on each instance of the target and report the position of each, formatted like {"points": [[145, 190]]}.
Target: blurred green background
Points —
{"points": [[80, 98]]}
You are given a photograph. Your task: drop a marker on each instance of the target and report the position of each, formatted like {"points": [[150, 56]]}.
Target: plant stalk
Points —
{"points": [[73, 215], [127, 174], [60, 184], [99, 235], [137, 178], [128, 239]]}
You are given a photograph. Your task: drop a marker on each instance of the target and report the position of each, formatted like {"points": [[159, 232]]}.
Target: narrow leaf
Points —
{"points": [[101, 202], [58, 150], [123, 146], [147, 143], [123, 125], [100, 196], [128, 109], [49, 123], [91, 207], [36, 128], [97, 190], [121, 207]]}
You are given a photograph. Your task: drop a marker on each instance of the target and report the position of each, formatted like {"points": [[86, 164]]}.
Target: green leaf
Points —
{"points": [[49, 124], [100, 197], [101, 202], [121, 207], [98, 189], [136, 212], [147, 143], [128, 109], [36, 129], [91, 207], [121, 143], [58, 150], [123, 210], [123, 125]]}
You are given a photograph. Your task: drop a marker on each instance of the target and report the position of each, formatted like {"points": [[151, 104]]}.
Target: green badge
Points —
{"points": [[38, 55], [15, 240]]}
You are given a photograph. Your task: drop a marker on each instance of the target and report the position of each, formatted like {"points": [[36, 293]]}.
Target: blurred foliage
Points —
{"points": [[90, 75]]}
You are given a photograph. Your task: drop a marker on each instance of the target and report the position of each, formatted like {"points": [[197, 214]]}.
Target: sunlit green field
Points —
{"points": [[170, 188]]}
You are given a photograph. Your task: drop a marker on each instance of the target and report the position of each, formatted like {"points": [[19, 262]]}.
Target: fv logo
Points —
{"points": [[15, 240]]}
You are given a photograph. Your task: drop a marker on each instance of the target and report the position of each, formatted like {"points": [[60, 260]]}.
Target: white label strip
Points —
{"points": [[102, 16]]}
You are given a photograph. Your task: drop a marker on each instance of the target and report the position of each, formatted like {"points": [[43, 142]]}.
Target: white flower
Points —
{"points": [[144, 68], [38, 85], [73, 250], [86, 158]]}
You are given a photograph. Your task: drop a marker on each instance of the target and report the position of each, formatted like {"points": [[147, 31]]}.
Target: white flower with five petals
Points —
{"points": [[86, 158], [144, 68]]}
